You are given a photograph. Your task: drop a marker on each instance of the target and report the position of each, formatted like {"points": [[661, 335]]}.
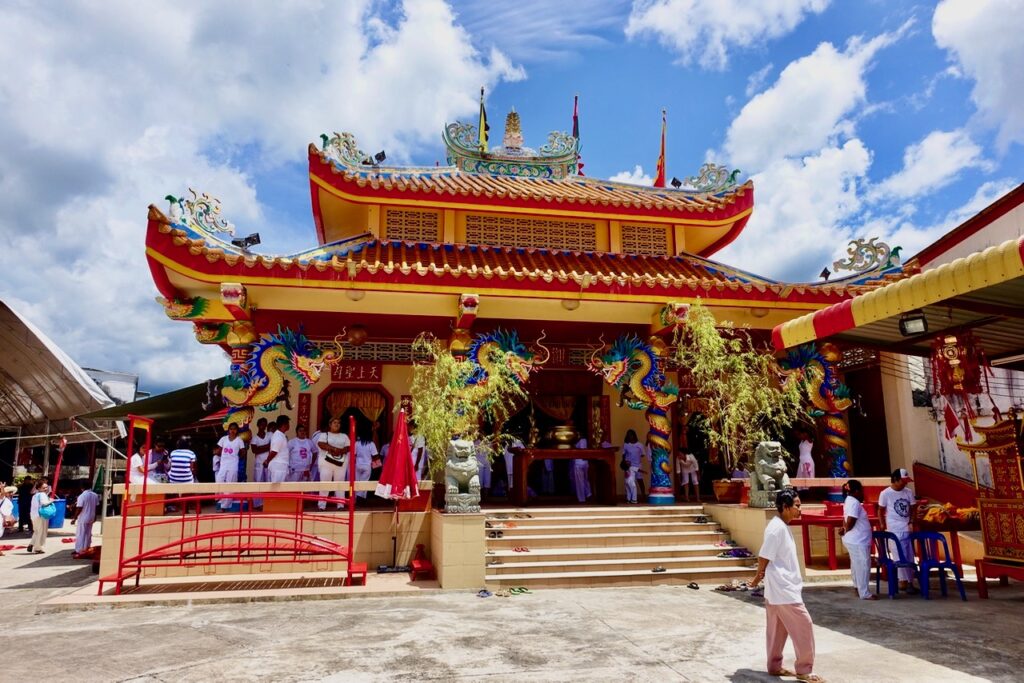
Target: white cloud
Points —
{"points": [[809, 105], [756, 80], [635, 177], [932, 163], [983, 38], [800, 208], [107, 107], [704, 31]]}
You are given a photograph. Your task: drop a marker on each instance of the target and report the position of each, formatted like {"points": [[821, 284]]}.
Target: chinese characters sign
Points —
{"points": [[357, 371]]}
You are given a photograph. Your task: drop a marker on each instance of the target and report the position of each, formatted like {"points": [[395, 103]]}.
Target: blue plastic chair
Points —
{"points": [[882, 558], [927, 546]]}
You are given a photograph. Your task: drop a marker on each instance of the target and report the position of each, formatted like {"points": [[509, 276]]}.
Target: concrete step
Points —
{"points": [[624, 563], [508, 555], [594, 519], [707, 577], [621, 510], [615, 539], [607, 528]]}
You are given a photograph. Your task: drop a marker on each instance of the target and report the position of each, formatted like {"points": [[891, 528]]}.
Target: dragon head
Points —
{"points": [[521, 361]]}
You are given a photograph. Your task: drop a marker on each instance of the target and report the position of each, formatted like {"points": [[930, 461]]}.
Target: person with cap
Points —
{"points": [[894, 508], [787, 617]]}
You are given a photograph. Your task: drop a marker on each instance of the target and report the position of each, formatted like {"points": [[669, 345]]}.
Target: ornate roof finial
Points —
{"points": [[513, 131]]}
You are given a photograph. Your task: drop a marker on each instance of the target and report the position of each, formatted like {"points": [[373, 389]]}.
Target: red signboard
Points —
{"points": [[302, 416], [358, 371]]}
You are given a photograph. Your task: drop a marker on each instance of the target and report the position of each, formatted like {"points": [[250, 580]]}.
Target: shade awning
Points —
{"points": [[983, 292], [169, 411], [39, 382]]}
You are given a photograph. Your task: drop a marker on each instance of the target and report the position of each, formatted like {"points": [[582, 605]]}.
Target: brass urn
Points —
{"points": [[563, 436]]}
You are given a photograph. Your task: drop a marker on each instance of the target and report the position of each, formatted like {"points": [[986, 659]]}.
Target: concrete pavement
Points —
{"points": [[608, 634]]}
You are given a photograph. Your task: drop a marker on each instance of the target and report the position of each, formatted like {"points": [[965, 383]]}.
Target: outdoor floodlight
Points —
{"points": [[825, 273], [676, 182], [380, 156], [913, 324], [247, 241]]}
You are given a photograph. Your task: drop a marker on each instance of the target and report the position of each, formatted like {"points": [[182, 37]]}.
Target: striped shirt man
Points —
{"points": [[182, 460]]}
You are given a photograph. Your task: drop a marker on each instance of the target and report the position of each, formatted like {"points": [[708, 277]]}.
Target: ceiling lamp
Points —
{"points": [[913, 324]]}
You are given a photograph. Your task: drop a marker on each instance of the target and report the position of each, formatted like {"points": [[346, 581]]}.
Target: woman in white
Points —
{"points": [[276, 463], [333, 462], [137, 469], [688, 470], [6, 510], [228, 448], [805, 466], [301, 453], [581, 474], [40, 526], [633, 453], [366, 451], [420, 454]]}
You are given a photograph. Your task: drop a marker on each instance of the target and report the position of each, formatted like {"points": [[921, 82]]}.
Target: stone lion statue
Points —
{"points": [[462, 478], [769, 476]]}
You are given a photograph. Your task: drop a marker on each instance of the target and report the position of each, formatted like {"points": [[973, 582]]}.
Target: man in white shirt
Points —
{"points": [[334, 447], [856, 533], [84, 518], [778, 566], [301, 451], [259, 446], [894, 507], [276, 463], [228, 448]]}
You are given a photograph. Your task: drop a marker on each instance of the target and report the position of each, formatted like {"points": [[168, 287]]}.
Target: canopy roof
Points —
{"points": [[38, 381], [169, 411], [983, 292]]}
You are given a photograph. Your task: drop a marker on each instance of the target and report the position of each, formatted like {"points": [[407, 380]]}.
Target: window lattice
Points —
{"points": [[412, 225], [645, 239], [508, 231]]}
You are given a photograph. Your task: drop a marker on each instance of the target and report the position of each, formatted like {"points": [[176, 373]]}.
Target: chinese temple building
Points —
{"points": [[508, 238]]}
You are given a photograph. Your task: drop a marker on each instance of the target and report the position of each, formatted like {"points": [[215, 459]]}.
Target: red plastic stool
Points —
{"points": [[421, 568]]}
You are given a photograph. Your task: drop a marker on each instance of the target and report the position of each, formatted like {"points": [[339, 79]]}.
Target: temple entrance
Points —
{"points": [[371, 406]]}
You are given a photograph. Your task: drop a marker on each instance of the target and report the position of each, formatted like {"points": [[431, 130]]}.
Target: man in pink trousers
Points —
{"points": [[778, 566]]}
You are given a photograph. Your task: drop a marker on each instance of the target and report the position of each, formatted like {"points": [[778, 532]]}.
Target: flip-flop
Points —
{"points": [[523, 515], [782, 672], [693, 585], [724, 588], [502, 594], [519, 590], [658, 570], [759, 593], [484, 593]]}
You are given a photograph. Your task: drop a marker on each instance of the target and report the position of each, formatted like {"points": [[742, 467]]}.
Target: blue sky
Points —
{"points": [[854, 119]]}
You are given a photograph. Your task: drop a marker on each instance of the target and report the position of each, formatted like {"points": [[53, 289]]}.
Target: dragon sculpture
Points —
{"points": [[634, 368], [520, 359], [829, 397], [263, 378]]}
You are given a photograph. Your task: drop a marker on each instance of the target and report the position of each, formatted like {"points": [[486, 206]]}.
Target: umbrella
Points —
{"points": [[398, 478]]}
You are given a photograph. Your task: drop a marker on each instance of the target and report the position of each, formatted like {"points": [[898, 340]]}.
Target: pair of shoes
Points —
{"points": [[484, 593], [519, 590], [493, 562], [701, 519], [520, 549], [494, 534], [659, 569]]}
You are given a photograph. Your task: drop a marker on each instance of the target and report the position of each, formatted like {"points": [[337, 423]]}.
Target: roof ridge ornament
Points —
{"points": [[201, 213], [713, 178], [341, 148], [864, 256]]}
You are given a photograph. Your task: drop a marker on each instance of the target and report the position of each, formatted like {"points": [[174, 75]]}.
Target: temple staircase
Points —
{"points": [[607, 546]]}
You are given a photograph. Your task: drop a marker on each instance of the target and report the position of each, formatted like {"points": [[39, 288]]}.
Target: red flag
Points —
{"points": [[951, 422], [659, 180]]}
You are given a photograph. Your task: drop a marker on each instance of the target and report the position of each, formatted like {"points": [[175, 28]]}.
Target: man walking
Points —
{"points": [[894, 506], [856, 533], [778, 566]]}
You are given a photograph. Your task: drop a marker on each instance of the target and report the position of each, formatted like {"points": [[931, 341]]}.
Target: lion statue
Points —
{"points": [[769, 475], [462, 478]]}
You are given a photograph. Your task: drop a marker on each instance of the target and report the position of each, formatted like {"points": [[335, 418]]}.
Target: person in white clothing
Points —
{"points": [[334, 449], [85, 515], [138, 468], [856, 533], [779, 568], [688, 471], [40, 526], [894, 509], [366, 452], [259, 446], [633, 454], [420, 454], [581, 474], [301, 452], [805, 465], [228, 448], [7, 520], [483, 458], [276, 463], [510, 457]]}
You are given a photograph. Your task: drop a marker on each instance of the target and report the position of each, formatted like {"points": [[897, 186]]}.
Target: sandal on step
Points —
{"points": [[810, 678], [519, 590], [782, 672], [693, 585], [484, 593], [659, 569], [502, 594]]}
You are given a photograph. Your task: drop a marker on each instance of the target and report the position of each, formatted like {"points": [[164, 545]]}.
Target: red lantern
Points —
{"points": [[959, 368]]}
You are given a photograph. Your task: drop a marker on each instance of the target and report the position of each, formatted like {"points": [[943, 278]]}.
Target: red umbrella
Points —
{"points": [[398, 478]]}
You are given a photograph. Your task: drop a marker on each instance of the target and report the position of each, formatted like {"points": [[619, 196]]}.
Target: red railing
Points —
{"points": [[252, 538]]}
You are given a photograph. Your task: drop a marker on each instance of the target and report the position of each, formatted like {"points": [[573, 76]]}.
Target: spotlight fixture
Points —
{"points": [[913, 324], [825, 273], [676, 182], [244, 243]]}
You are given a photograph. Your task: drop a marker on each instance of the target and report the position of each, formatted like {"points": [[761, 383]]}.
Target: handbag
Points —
{"points": [[48, 511], [624, 465]]}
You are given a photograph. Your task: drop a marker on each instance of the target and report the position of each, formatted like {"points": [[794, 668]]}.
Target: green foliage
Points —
{"points": [[445, 405], [748, 400]]}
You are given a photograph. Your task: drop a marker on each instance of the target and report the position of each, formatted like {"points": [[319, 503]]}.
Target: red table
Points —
{"points": [[831, 523]]}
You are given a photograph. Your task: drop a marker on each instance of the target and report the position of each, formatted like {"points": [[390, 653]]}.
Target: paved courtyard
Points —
{"points": [[660, 634]]}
